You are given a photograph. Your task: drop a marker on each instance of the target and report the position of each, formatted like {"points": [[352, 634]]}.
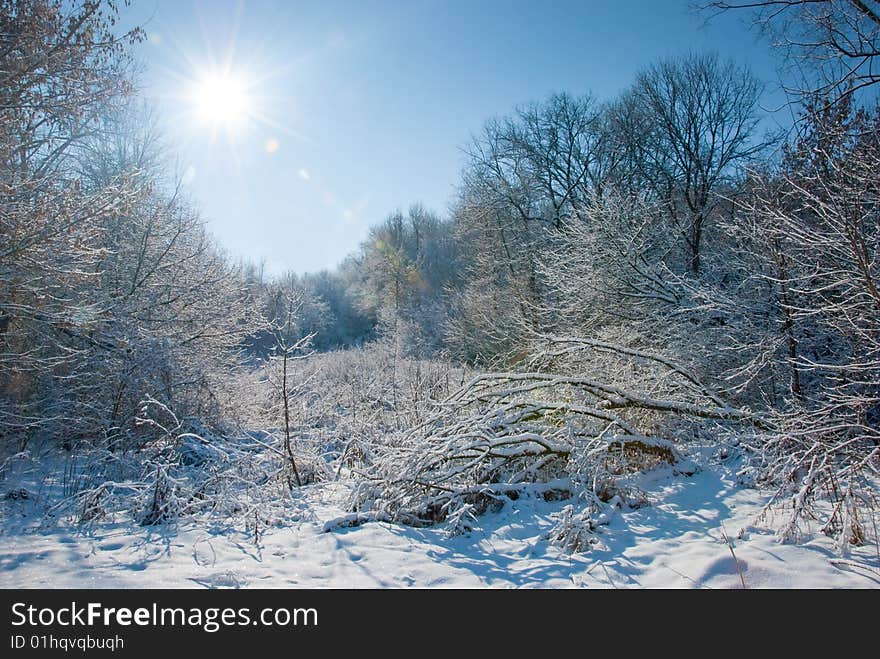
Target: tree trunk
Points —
{"points": [[287, 444], [695, 239]]}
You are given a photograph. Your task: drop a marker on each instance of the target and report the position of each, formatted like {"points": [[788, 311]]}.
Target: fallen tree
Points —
{"points": [[536, 433]]}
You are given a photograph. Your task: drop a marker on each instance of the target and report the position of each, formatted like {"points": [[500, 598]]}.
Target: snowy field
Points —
{"points": [[676, 542]]}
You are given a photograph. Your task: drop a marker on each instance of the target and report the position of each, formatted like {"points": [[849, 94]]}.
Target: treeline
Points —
{"points": [[397, 283], [474, 285]]}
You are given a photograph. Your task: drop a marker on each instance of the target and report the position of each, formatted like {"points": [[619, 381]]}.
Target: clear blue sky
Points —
{"points": [[366, 105]]}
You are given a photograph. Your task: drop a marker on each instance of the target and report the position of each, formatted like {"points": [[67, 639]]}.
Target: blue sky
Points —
{"points": [[363, 107]]}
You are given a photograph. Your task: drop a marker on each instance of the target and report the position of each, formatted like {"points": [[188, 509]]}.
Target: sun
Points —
{"points": [[222, 100]]}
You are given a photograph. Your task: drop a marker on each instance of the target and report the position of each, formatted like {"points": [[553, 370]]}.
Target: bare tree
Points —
{"points": [[525, 174], [694, 121], [839, 39], [289, 347]]}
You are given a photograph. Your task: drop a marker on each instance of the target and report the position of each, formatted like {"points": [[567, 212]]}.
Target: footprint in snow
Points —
{"points": [[203, 554], [227, 579], [110, 546]]}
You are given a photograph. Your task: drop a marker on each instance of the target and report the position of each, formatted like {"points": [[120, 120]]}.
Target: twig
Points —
{"points": [[732, 553]]}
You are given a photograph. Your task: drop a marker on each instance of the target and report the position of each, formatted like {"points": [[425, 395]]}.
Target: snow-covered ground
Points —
{"points": [[675, 543]]}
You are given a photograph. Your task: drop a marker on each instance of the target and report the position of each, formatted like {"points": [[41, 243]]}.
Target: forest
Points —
{"points": [[663, 282]]}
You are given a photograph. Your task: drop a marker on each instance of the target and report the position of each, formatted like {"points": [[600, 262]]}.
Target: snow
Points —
{"points": [[677, 542]]}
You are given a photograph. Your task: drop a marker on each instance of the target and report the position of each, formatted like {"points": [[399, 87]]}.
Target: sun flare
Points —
{"points": [[222, 100]]}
